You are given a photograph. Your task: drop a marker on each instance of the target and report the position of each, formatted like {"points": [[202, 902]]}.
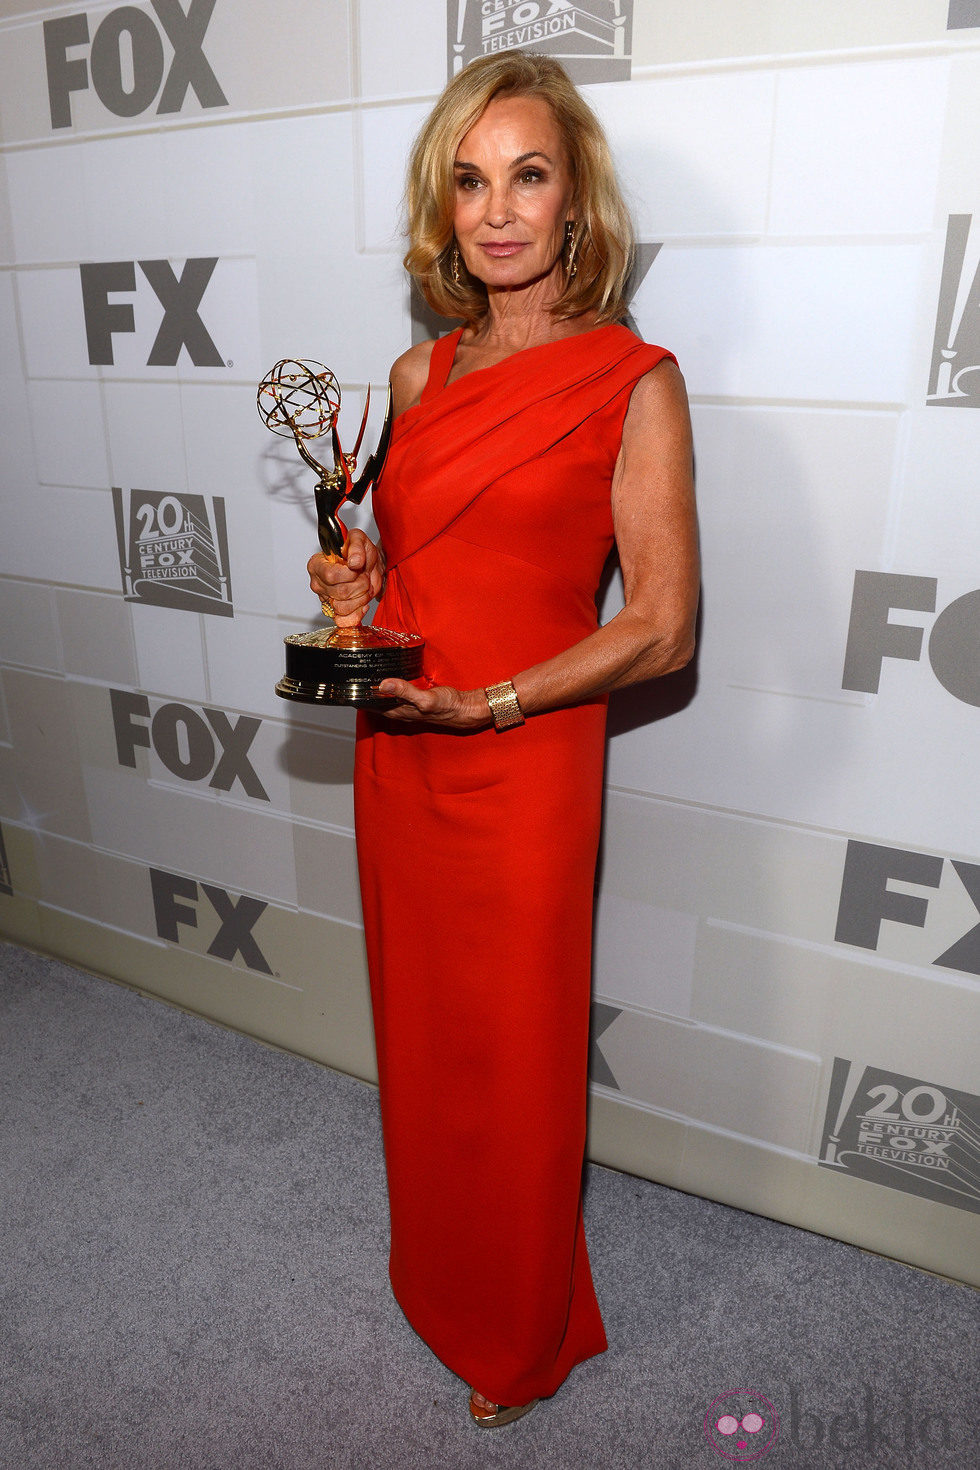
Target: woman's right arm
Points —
{"points": [[352, 584]]}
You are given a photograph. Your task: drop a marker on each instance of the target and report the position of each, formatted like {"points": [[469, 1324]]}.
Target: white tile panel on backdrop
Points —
{"points": [[97, 637], [774, 322], [75, 882], [48, 202], [836, 127], [53, 325], [45, 529], [407, 59], [170, 653], [733, 1084], [644, 954], [30, 631], [6, 215], [40, 771], [189, 192], [874, 771], [960, 164], [146, 432], [792, 500], [939, 470], [244, 661], [705, 30], [319, 296], [788, 874], [693, 152], [380, 153], [223, 440]]}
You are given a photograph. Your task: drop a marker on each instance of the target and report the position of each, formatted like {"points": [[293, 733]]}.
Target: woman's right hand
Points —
{"points": [[351, 584]]}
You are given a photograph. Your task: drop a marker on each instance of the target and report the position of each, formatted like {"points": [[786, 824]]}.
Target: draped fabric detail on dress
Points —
{"points": [[477, 857]]}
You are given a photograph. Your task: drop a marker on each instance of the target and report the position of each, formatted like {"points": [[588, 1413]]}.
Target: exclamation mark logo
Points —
{"points": [[459, 45], [954, 379], [848, 1077]]}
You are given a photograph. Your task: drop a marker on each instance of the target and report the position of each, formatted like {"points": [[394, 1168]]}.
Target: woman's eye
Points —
{"points": [[530, 176], [468, 182]]}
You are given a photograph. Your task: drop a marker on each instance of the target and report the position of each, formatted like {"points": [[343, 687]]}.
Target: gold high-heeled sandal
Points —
{"points": [[492, 1418]]}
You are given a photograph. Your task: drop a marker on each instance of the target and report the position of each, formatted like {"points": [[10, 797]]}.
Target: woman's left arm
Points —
{"points": [[656, 535]]}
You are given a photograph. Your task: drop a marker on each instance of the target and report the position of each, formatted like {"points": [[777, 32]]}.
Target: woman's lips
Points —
{"points": [[502, 247]]}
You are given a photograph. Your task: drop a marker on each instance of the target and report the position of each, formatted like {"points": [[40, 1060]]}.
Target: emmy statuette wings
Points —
{"points": [[301, 400]]}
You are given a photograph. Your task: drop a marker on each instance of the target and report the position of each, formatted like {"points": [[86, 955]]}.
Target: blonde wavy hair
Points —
{"points": [[603, 234]]}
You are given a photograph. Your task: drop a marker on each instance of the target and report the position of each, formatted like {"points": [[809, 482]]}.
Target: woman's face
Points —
{"points": [[513, 193]]}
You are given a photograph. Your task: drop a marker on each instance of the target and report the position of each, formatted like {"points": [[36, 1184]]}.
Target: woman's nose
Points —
{"points": [[499, 210]]}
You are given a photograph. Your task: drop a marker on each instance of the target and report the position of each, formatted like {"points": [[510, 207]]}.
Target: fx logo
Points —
{"points": [[953, 641], [185, 742], [173, 897], [866, 899], [127, 75], [180, 296]]}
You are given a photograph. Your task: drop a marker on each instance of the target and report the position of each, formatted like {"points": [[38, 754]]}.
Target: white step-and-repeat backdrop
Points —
{"points": [[788, 951]]}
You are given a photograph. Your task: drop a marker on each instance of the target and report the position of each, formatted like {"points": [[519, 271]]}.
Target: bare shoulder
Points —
{"points": [[658, 408], [661, 389], [408, 375]]}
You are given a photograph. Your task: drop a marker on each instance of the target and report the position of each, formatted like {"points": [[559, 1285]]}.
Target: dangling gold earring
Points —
{"points": [[571, 243], [456, 264]]}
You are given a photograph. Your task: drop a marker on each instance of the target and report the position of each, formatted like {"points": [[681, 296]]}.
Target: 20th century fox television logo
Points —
{"points": [[173, 550], [593, 41]]}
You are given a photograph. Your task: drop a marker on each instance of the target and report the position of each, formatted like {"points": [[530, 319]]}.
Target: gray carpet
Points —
{"points": [[193, 1235]]}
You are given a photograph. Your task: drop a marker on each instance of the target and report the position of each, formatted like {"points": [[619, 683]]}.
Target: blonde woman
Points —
{"points": [[526, 442]]}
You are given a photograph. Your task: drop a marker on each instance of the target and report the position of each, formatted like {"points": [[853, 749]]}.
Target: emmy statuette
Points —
{"points": [[333, 665]]}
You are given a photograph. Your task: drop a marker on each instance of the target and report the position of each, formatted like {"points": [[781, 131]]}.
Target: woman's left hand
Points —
{"points": [[457, 709]]}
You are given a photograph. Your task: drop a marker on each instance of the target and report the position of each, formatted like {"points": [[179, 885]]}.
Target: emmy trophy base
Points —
{"points": [[346, 665]]}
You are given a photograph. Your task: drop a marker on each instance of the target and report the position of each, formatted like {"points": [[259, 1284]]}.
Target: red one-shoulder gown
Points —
{"points": [[477, 857]]}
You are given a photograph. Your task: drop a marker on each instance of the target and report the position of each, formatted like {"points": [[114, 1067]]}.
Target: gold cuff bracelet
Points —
{"points": [[502, 699]]}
